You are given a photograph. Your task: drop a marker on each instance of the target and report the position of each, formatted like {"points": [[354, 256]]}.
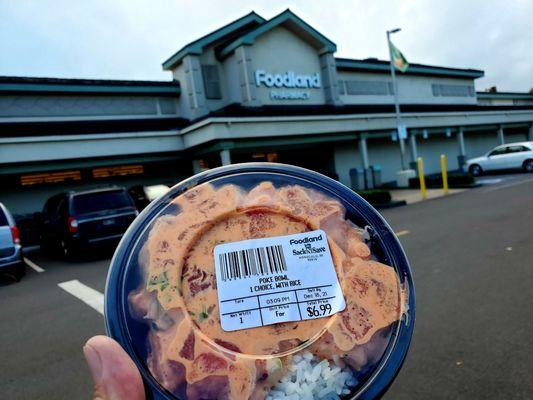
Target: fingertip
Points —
{"points": [[114, 372]]}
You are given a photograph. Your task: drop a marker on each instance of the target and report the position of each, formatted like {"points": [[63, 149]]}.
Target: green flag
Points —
{"points": [[398, 59]]}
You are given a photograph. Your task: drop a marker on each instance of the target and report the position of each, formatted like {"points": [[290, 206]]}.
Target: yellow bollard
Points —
{"points": [[444, 173], [421, 178]]}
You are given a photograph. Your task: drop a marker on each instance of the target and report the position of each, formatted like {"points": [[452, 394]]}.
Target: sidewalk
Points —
{"points": [[413, 195]]}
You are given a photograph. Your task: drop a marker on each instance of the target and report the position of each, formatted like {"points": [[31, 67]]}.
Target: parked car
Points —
{"points": [[508, 156], [74, 221], [144, 195], [11, 261]]}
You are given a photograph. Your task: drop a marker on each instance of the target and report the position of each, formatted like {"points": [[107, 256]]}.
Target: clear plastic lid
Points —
{"points": [[163, 304]]}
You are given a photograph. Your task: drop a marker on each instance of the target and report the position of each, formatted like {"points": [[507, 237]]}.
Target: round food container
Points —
{"points": [[261, 281]]}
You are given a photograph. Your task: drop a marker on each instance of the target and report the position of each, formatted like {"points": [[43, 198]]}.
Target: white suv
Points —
{"points": [[507, 156]]}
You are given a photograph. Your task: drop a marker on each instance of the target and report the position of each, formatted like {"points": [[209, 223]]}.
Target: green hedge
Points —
{"points": [[435, 181], [376, 196]]}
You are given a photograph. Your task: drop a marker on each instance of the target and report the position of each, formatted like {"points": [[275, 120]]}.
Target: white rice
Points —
{"points": [[310, 378]]}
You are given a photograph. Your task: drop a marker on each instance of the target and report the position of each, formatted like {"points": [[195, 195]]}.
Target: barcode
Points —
{"points": [[252, 262]]}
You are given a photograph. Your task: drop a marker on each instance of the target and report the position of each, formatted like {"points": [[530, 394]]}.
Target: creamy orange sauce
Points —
{"points": [[180, 269]]}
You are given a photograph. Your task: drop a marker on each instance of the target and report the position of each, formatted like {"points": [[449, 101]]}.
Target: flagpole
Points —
{"points": [[396, 103]]}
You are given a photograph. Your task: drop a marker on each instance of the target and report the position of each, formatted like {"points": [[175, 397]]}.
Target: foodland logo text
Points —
{"points": [[289, 79], [308, 247]]}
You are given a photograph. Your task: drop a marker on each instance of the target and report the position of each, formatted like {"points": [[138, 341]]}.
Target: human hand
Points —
{"points": [[114, 373]]}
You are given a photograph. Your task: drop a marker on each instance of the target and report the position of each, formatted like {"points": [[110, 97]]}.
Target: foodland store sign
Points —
{"points": [[289, 80]]}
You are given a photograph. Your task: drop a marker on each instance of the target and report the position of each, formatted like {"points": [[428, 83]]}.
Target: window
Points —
{"points": [[369, 88], [516, 149], [167, 106], [50, 177], [51, 206], [498, 152], [341, 88], [211, 82], [446, 90], [3, 218], [62, 210], [123, 170], [101, 201]]}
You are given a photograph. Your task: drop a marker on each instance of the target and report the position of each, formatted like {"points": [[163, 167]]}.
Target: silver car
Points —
{"points": [[11, 261], [507, 156]]}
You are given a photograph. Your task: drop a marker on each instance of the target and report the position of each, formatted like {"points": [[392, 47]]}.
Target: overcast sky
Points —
{"points": [[127, 39]]}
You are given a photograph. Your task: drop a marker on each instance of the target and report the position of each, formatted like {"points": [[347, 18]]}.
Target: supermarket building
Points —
{"points": [[253, 90]]}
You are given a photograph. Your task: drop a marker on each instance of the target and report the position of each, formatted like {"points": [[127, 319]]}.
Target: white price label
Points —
{"points": [[279, 279]]}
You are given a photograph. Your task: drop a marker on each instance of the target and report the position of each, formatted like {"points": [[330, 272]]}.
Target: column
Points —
{"points": [[330, 80], [414, 150], [530, 133], [194, 86], [367, 173], [461, 158], [246, 76], [196, 168], [501, 136], [364, 152], [225, 157]]}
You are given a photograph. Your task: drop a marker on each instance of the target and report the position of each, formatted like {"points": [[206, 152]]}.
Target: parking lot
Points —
{"points": [[472, 259]]}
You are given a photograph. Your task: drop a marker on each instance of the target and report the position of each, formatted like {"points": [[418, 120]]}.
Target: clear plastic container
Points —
{"points": [[161, 296]]}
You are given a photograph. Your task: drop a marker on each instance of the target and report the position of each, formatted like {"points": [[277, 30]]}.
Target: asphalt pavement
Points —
{"points": [[472, 259]]}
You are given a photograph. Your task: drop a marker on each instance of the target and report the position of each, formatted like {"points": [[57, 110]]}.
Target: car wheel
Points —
{"points": [[528, 166], [475, 170]]}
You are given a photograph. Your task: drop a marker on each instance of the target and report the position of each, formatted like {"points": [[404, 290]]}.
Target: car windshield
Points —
{"points": [[497, 152], [3, 218], [101, 201]]}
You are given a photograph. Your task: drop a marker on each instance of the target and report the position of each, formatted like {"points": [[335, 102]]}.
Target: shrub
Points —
{"points": [[376, 196], [435, 181]]}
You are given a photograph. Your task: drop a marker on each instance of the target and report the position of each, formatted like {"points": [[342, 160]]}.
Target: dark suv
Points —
{"points": [[73, 221]]}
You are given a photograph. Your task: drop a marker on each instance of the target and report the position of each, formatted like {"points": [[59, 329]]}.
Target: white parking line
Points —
{"points": [[404, 232], [31, 264], [31, 248], [93, 298], [490, 181], [492, 189]]}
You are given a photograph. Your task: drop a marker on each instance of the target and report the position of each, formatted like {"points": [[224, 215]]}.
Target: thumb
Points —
{"points": [[114, 373]]}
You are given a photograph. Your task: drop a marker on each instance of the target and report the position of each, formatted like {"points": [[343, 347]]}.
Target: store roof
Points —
{"points": [[291, 21], [375, 65], [245, 30], [235, 28], [12, 84]]}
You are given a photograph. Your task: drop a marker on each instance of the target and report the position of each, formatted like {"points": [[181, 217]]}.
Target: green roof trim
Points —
{"points": [[170, 90], [504, 95], [249, 38], [198, 45], [416, 69]]}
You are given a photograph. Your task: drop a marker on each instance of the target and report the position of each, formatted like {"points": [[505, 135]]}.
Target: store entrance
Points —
{"points": [[313, 158]]}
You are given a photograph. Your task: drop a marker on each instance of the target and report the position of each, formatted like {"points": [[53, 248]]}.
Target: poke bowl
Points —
{"points": [[261, 281]]}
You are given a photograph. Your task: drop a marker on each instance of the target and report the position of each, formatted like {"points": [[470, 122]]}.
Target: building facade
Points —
{"points": [[253, 90]]}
